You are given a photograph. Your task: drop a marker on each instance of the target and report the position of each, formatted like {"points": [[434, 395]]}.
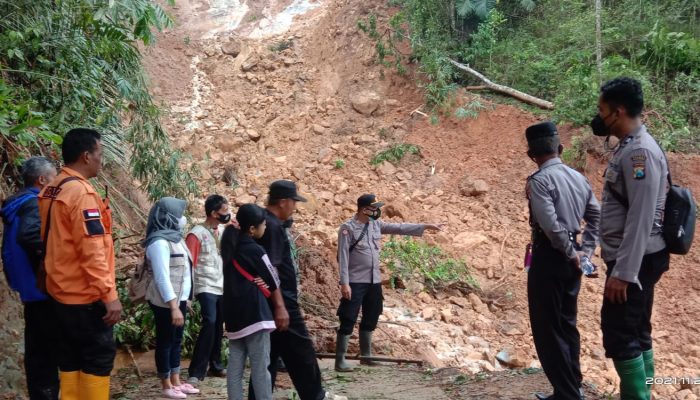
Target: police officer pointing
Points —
{"points": [[631, 239], [559, 198], [359, 246]]}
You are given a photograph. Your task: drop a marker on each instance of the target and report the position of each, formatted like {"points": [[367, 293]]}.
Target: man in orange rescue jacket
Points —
{"points": [[79, 262]]}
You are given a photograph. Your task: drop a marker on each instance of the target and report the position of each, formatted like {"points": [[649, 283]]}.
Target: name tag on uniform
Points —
{"points": [[611, 175]]}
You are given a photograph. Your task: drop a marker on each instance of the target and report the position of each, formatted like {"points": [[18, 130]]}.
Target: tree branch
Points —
{"points": [[504, 89]]}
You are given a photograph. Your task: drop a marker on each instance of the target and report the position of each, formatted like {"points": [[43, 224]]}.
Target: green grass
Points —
{"points": [[409, 259], [395, 153], [281, 46]]}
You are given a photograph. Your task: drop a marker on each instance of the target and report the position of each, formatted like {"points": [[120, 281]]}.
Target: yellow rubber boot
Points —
{"points": [[69, 382], [93, 387]]}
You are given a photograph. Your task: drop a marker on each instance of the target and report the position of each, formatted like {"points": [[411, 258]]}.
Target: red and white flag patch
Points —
{"points": [[91, 213]]}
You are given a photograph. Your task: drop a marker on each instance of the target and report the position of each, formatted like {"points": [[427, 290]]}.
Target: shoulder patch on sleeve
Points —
{"points": [[93, 222], [638, 170]]}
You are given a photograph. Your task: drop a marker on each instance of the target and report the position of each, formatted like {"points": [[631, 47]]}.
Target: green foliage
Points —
{"points": [[282, 45], [339, 164], [74, 63], [479, 8], [470, 110], [409, 259], [137, 327], [575, 156], [395, 153], [547, 48]]}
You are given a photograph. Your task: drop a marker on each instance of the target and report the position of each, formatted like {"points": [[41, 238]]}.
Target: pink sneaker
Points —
{"points": [[174, 393], [187, 389]]}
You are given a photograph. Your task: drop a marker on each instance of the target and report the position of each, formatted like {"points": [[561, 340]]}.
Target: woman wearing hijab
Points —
{"points": [[169, 290]]}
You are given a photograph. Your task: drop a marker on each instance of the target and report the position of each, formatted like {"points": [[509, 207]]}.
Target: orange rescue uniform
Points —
{"points": [[80, 251]]}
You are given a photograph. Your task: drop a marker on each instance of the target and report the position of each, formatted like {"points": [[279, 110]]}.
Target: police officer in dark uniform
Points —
{"points": [[631, 239], [559, 198]]}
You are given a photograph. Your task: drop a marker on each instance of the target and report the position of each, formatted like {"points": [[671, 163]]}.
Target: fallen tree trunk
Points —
{"points": [[504, 89], [372, 358]]}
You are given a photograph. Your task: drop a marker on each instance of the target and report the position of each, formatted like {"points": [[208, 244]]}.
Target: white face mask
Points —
{"points": [[182, 223]]}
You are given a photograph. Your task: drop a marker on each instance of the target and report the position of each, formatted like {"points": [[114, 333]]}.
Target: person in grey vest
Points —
{"points": [[359, 246], [559, 199], [208, 277], [169, 291], [631, 240]]}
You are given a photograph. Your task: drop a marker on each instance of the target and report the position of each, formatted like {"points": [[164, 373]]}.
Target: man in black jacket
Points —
{"points": [[294, 346], [21, 252]]}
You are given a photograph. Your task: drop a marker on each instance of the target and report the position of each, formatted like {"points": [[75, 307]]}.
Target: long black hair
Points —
{"points": [[249, 215]]}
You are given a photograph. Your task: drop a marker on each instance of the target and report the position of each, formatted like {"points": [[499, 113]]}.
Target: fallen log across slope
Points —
{"points": [[488, 84]]}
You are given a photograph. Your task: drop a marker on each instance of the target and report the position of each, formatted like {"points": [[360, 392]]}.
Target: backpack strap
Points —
{"points": [[362, 235], [48, 216], [41, 271], [265, 291]]}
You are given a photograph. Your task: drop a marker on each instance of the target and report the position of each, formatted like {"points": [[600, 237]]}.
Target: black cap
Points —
{"points": [[368, 200], [284, 189], [541, 130]]}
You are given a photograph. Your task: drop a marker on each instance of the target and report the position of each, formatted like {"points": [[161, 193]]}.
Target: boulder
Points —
{"points": [[318, 129], [512, 359], [365, 102], [468, 240], [244, 199], [253, 135], [386, 168], [428, 313], [231, 48], [473, 187]]}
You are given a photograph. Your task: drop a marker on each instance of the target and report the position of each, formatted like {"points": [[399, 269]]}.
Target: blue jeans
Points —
{"points": [[168, 340], [207, 351]]}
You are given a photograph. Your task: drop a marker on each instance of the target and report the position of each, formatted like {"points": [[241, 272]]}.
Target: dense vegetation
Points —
{"points": [[547, 48], [408, 259], [69, 63]]}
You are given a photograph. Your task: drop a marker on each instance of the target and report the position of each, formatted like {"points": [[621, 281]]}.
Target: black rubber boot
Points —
{"points": [[366, 347], [341, 347]]}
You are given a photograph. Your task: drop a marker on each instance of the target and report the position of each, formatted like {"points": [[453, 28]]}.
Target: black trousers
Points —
{"points": [[40, 361], [553, 285], [368, 297], [207, 351], [296, 349], [627, 326], [85, 342]]}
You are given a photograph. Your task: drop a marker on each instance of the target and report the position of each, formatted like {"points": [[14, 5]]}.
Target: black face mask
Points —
{"points": [[599, 127], [375, 214], [288, 223], [224, 219]]}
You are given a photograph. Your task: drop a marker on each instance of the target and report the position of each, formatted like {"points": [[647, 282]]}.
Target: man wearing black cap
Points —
{"points": [[294, 346], [559, 198], [359, 245]]}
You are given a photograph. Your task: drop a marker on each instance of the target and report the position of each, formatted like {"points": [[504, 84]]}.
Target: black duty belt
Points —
{"points": [[539, 237]]}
